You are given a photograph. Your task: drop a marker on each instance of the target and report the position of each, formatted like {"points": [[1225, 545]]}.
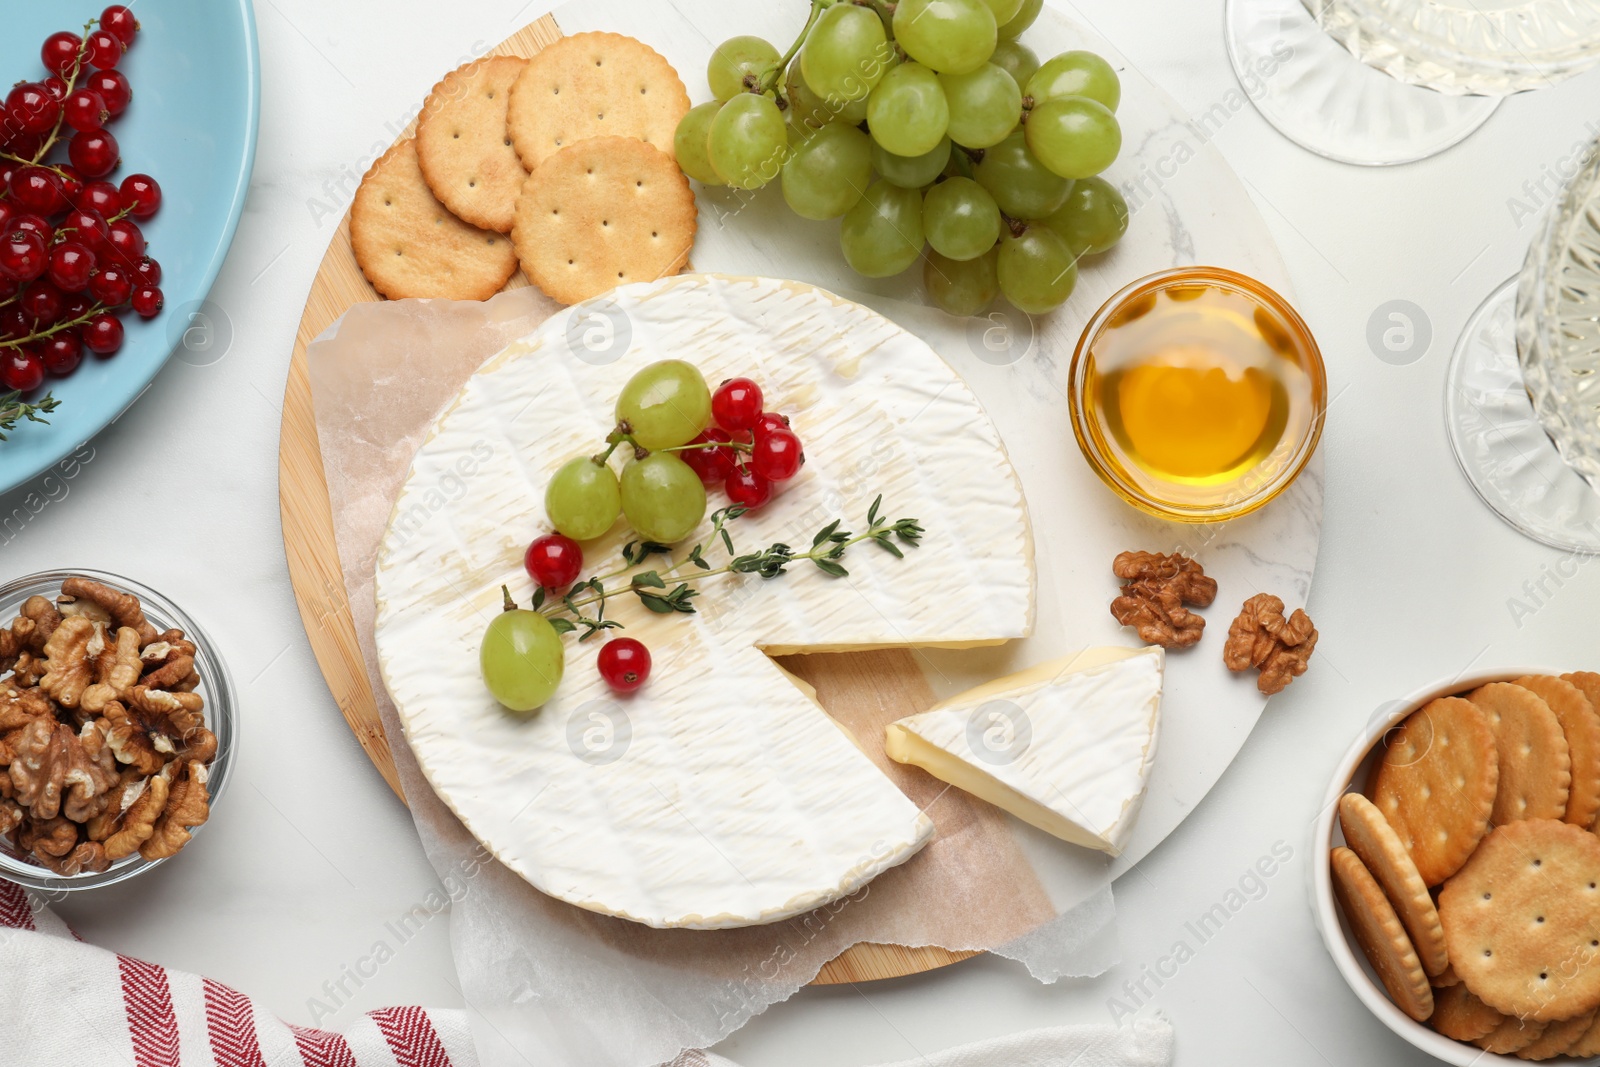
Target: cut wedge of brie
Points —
{"points": [[1066, 746], [720, 794]]}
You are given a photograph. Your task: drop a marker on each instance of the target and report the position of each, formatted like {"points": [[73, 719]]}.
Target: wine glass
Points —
{"points": [[1378, 82], [1523, 389]]}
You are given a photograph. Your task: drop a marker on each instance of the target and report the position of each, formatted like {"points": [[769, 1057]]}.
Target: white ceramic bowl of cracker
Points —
{"points": [[1352, 775]]}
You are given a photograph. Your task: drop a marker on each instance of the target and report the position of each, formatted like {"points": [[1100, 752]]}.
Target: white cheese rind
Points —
{"points": [[734, 800], [1076, 740]]}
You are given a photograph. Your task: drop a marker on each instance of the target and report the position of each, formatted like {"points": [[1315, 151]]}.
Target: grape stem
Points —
{"points": [[621, 436], [768, 82]]}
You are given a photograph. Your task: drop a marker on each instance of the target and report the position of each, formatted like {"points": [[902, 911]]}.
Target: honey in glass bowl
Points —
{"points": [[1197, 394]]}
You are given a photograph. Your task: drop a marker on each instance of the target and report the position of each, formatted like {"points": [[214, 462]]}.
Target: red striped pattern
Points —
{"points": [[16, 913], [231, 1024], [319, 1048], [151, 1021], [411, 1037]]}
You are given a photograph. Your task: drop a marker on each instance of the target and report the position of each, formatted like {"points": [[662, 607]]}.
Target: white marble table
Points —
{"points": [[313, 862]]}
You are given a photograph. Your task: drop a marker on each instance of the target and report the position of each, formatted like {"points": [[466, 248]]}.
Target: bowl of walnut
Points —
{"points": [[117, 725]]}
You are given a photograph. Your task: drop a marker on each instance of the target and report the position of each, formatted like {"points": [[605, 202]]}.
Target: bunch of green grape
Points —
{"points": [[932, 133]]}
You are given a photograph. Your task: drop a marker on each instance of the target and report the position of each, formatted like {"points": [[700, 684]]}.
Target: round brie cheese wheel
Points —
{"points": [[719, 794]]}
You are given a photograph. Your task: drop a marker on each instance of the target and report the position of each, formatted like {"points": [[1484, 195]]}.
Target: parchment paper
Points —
{"points": [[552, 984]]}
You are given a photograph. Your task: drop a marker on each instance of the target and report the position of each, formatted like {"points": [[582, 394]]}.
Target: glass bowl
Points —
{"points": [[1283, 345], [221, 717]]}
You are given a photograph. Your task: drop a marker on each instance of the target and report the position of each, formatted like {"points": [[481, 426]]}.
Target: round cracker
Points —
{"points": [[1447, 977], [602, 213], [594, 85], [1378, 931], [1511, 1036], [1580, 725], [1436, 784], [410, 245], [1522, 920], [1372, 839], [1535, 765], [1558, 1037], [463, 147], [1460, 1016], [1588, 1043], [1588, 683]]}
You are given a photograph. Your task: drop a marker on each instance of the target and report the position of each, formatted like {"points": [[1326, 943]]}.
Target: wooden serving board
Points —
{"points": [[318, 580]]}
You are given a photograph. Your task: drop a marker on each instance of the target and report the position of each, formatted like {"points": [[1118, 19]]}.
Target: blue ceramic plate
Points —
{"points": [[195, 75]]}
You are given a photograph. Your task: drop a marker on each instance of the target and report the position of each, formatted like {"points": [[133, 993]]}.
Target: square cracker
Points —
{"points": [[594, 85], [463, 148]]}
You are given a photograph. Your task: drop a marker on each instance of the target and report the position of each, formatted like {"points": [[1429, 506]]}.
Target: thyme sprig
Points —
{"points": [[14, 408]]}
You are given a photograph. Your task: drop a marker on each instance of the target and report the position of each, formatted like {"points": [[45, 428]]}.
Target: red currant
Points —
{"points": [[624, 664], [712, 463], [769, 421], [37, 190], [14, 323], [9, 287], [60, 52], [42, 302], [148, 301], [76, 307], [736, 404], [56, 88], [100, 196], [35, 225], [141, 195], [8, 211], [747, 488], [112, 88], [31, 109], [554, 560], [20, 370], [88, 228], [61, 353], [70, 181], [84, 110], [102, 334], [105, 49], [147, 271], [777, 455], [119, 20], [127, 242], [71, 264], [23, 255], [111, 286], [94, 152]]}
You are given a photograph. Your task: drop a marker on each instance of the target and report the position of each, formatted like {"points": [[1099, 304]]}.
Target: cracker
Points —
{"points": [[602, 213], [463, 148], [1460, 1016], [1535, 766], [594, 85], [1436, 784], [1380, 934], [1588, 683], [1580, 725], [1522, 920], [1372, 839], [1589, 1043], [1558, 1037], [408, 244], [1510, 1036], [1447, 977]]}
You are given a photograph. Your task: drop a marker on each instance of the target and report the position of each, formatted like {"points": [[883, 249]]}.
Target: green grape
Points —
{"points": [[882, 234], [846, 53], [748, 141], [1022, 186], [665, 405], [985, 105], [1037, 271], [736, 58], [951, 36], [689, 143], [1016, 59], [662, 497], [1011, 29], [808, 109], [1076, 73], [582, 500], [907, 113], [960, 218], [1093, 219], [1004, 10], [1076, 137], [827, 171], [961, 287], [521, 658], [911, 172]]}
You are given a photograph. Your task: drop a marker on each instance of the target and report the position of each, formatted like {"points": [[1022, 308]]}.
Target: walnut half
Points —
{"points": [[1280, 648], [1158, 594]]}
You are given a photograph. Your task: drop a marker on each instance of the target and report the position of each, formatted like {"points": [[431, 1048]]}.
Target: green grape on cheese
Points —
{"points": [[521, 659], [663, 498], [582, 499], [665, 404]]}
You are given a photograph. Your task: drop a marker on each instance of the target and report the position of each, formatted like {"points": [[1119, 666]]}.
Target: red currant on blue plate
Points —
{"points": [[624, 664], [736, 404], [554, 561]]}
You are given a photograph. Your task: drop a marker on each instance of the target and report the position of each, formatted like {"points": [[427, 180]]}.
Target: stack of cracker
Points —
{"points": [[1470, 874], [561, 164]]}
